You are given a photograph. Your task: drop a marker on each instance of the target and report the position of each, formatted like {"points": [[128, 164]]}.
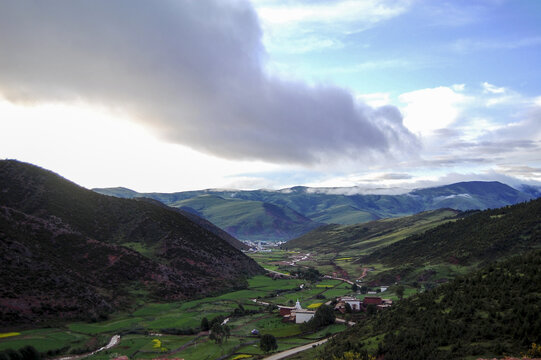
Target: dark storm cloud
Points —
{"points": [[192, 71]]}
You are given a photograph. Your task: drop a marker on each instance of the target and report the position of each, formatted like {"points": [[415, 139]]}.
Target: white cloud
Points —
{"points": [[492, 89], [430, 109], [97, 148], [364, 12], [375, 99], [292, 25], [193, 73]]}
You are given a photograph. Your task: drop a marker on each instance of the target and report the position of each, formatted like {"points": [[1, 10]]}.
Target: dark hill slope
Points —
{"points": [[171, 247], [204, 224], [491, 312], [484, 236], [51, 272], [365, 238]]}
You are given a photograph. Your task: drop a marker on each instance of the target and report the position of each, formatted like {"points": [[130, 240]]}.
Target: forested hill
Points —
{"points": [[65, 237], [482, 236], [491, 312]]}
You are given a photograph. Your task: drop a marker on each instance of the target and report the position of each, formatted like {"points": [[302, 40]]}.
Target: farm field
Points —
{"points": [[176, 324]]}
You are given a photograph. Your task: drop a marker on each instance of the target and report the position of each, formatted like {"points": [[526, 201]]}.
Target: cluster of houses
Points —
{"points": [[361, 305], [296, 313], [299, 315]]}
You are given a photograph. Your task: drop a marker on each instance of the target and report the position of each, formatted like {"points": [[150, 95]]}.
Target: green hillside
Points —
{"points": [[342, 214], [482, 236], [248, 220], [364, 238], [489, 313]]}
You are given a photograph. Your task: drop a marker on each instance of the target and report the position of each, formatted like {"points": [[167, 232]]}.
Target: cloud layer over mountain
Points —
{"points": [[190, 70]]}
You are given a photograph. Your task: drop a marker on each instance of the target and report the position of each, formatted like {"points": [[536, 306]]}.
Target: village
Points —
{"points": [[342, 305]]}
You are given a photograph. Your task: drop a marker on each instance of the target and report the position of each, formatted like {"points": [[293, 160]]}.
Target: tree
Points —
{"points": [[268, 343], [30, 353], [399, 291], [205, 326], [354, 287], [219, 333], [364, 289], [324, 316]]}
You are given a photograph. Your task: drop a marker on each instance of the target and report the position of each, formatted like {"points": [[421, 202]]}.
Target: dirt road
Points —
{"points": [[293, 351]]}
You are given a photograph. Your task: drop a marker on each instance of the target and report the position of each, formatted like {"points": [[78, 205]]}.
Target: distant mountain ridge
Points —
{"points": [[299, 209], [67, 252]]}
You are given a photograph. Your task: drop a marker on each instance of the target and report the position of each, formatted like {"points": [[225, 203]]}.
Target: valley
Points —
{"points": [[270, 180], [87, 275], [177, 324]]}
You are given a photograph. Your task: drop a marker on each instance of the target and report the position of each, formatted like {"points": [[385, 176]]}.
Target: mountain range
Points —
{"points": [[289, 213], [68, 252]]}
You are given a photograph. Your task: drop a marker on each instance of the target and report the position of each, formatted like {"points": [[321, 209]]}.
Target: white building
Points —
{"points": [[353, 302], [302, 316]]}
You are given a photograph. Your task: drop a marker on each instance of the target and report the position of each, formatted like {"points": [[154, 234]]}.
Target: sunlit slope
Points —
{"points": [[365, 238]]}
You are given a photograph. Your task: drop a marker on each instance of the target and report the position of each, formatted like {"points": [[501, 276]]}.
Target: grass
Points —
{"points": [[44, 340], [105, 327], [184, 315]]}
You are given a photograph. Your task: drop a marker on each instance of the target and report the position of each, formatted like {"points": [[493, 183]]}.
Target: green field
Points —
{"points": [[139, 328]]}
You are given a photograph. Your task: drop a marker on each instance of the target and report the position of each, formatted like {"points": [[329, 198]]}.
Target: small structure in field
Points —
{"points": [[379, 302], [295, 313], [354, 303], [302, 316]]}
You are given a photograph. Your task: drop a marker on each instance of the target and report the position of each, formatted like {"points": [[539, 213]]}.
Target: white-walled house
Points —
{"points": [[302, 316]]}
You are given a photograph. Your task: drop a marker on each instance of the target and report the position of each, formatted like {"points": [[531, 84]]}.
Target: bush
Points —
{"points": [[268, 343]]}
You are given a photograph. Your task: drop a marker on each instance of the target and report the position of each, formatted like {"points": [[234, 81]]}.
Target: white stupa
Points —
{"points": [[298, 305]]}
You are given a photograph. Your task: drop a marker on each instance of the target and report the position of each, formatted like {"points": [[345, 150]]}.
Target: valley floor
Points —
{"points": [[176, 325]]}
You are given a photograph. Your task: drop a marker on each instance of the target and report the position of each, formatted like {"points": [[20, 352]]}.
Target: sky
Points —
{"points": [[182, 95]]}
